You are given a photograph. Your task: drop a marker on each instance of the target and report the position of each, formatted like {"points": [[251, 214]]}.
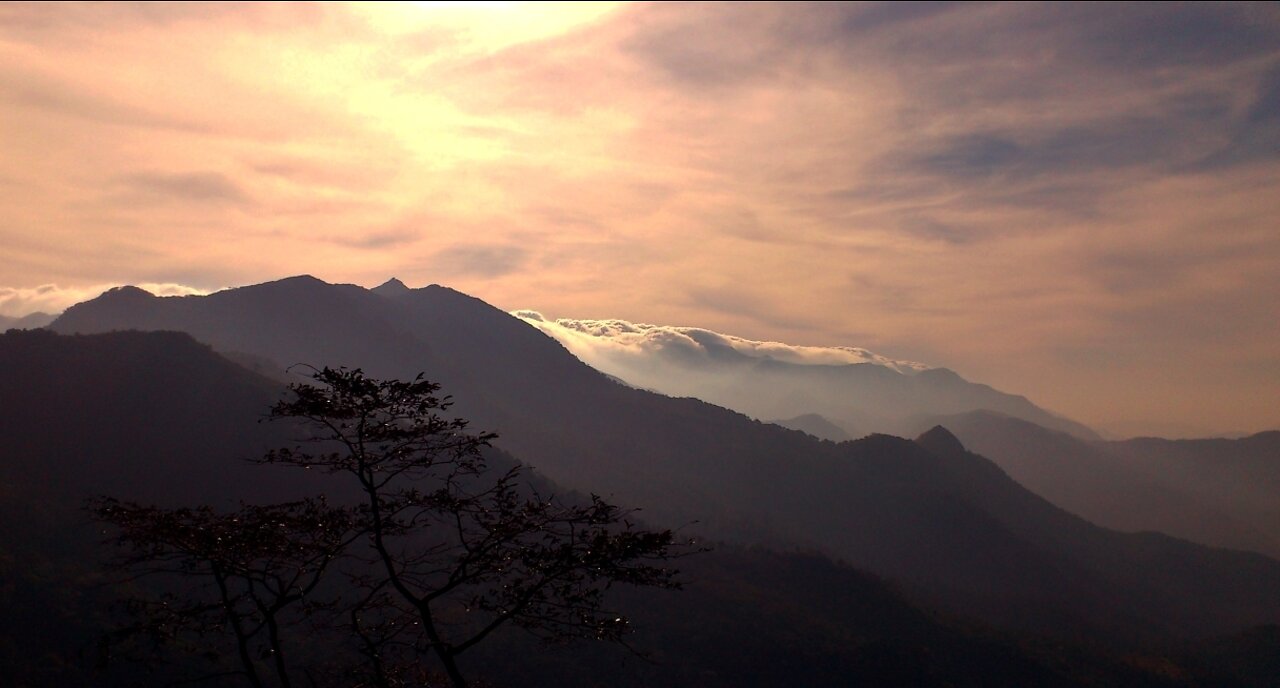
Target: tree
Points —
{"points": [[255, 568], [436, 550]]}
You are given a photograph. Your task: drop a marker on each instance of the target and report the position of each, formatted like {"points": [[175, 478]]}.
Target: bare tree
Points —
{"points": [[466, 553], [437, 551]]}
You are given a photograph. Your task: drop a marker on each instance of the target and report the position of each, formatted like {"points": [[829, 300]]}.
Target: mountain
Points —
{"points": [[1243, 471], [1220, 492], [763, 619], [30, 321], [853, 388], [948, 524], [160, 417], [75, 408], [391, 288], [817, 426], [154, 417]]}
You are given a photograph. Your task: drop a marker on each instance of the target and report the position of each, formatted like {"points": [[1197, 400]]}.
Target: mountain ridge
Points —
{"points": [[160, 416], [953, 527], [1218, 492]]}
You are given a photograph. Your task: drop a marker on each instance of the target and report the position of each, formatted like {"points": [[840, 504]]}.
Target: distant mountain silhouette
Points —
{"points": [[817, 426], [949, 524], [160, 417], [1219, 492], [26, 322], [940, 441], [391, 288]]}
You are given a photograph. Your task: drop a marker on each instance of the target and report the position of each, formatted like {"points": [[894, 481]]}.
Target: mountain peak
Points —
{"points": [[940, 441], [297, 279], [127, 292], [124, 294], [392, 287], [817, 425]]}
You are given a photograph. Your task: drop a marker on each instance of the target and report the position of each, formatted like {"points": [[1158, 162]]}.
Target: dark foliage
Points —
{"points": [[435, 554], [255, 573]]}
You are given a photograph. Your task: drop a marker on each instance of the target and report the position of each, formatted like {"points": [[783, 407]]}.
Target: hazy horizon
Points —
{"points": [[667, 358], [1076, 203]]}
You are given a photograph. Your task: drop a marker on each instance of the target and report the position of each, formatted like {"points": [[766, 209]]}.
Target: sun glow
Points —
{"points": [[485, 26]]}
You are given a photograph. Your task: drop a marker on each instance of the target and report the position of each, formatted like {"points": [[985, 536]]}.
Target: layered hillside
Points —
{"points": [[949, 524], [1219, 492], [159, 417]]}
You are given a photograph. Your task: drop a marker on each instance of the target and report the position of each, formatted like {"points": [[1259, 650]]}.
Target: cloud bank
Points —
{"points": [[856, 390], [597, 342], [53, 299]]}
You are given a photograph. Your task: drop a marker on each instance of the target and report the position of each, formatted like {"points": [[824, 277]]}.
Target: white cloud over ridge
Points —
{"points": [[857, 390], [53, 299], [592, 340]]}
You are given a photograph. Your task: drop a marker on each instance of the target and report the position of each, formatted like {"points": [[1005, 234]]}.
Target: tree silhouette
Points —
{"points": [[254, 569], [435, 551]]}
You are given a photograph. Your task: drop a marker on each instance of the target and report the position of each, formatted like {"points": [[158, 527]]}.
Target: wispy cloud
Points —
{"points": [[197, 187], [485, 261]]}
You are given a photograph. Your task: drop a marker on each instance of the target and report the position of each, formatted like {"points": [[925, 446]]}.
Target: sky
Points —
{"points": [[1075, 202]]}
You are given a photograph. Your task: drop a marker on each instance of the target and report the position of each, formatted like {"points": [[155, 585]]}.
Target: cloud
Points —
{"points": [[378, 239], [1254, 136], [600, 341], [1148, 35], [483, 261], [35, 22], [54, 95], [199, 187], [51, 298], [1006, 190]]}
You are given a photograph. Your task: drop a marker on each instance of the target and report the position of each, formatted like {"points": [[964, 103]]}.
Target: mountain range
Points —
{"points": [[1218, 492], [1221, 492], [948, 524], [159, 417], [25, 322]]}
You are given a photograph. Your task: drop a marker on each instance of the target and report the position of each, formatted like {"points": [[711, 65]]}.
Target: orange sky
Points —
{"points": [[1076, 203]]}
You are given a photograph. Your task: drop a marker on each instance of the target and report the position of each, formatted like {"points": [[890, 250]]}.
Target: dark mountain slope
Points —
{"points": [[154, 417], [1137, 573], [1219, 492], [754, 618], [817, 426], [1244, 470], [157, 416], [946, 522]]}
